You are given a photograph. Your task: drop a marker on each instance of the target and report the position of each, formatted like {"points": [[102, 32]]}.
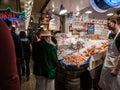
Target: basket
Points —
{"points": [[75, 66], [74, 70]]}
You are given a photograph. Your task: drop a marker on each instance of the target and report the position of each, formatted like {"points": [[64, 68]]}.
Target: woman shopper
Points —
{"points": [[18, 47], [27, 53]]}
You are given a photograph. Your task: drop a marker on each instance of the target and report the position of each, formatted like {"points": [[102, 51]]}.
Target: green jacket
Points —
{"points": [[45, 59]]}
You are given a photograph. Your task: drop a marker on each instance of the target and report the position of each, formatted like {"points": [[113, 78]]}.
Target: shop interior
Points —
{"points": [[82, 45]]}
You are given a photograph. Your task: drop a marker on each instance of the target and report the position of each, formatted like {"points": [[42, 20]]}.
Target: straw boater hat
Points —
{"points": [[45, 33]]}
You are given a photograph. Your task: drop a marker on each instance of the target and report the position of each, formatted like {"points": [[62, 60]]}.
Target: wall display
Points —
{"points": [[98, 29], [54, 23], [78, 23], [98, 21], [85, 18], [70, 17]]}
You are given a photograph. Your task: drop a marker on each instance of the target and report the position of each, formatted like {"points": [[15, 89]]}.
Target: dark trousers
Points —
{"points": [[19, 69], [26, 66]]}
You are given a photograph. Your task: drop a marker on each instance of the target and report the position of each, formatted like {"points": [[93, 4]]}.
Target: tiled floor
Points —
{"points": [[28, 85]]}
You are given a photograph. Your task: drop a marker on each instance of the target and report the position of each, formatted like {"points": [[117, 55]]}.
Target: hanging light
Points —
{"points": [[62, 10], [110, 14], [88, 12], [77, 13]]}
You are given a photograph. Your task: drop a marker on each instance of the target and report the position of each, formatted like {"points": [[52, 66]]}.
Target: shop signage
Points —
{"points": [[112, 3], [78, 23], [91, 28], [10, 14], [70, 17], [98, 29], [103, 5], [98, 21], [54, 23]]}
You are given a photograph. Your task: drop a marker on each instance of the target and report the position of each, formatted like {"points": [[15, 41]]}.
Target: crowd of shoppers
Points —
{"points": [[16, 51], [18, 55]]}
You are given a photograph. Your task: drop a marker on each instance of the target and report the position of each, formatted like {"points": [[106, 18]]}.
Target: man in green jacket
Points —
{"points": [[45, 62]]}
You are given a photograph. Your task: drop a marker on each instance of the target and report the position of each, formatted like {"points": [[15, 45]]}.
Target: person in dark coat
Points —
{"points": [[18, 47], [27, 53], [9, 79], [45, 62]]}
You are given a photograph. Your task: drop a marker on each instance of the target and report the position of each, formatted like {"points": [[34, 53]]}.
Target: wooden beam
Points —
{"points": [[44, 6]]}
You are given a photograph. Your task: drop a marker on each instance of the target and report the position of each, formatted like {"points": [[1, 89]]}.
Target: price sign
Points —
{"points": [[90, 28]]}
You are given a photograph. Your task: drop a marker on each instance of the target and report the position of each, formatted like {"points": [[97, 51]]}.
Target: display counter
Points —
{"points": [[73, 57], [95, 62]]}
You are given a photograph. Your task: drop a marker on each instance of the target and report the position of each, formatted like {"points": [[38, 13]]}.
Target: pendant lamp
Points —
{"points": [[62, 10]]}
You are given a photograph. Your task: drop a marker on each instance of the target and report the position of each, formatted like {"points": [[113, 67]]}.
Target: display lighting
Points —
{"points": [[29, 1], [88, 12], [26, 4], [28, 9], [42, 26], [62, 10], [31, 20], [77, 13], [109, 14], [53, 10], [53, 19]]}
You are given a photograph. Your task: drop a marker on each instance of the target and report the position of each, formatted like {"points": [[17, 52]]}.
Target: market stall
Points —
{"points": [[79, 57]]}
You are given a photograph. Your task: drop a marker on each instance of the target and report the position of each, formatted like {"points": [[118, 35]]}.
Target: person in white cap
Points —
{"points": [[45, 62]]}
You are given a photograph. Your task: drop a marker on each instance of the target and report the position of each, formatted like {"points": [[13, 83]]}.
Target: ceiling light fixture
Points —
{"points": [[109, 14], [62, 10], [53, 10], [77, 13], [88, 12]]}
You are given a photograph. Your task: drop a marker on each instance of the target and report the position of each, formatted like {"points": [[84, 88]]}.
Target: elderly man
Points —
{"points": [[45, 62]]}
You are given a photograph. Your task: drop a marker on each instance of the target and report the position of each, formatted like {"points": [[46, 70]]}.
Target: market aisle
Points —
{"points": [[28, 85]]}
